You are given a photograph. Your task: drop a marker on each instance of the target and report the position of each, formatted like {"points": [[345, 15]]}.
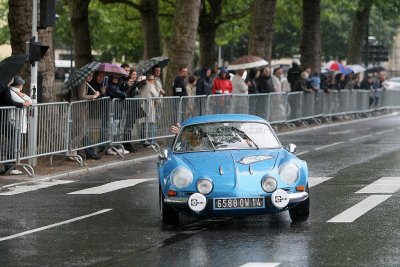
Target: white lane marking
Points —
{"points": [[54, 225], [360, 137], [384, 185], [301, 153], [260, 264], [32, 187], [313, 181], [385, 131], [326, 146], [105, 188], [359, 209]]}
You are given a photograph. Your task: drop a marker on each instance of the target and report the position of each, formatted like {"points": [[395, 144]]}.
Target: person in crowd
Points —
{"points": [[18, 96], [156, 71], [315, 82], [99, 83], [191, 86], [372, 86], [191, 91], [251, 79], [239, 84], [350, 81], [124, 81], [276, 79], [133, 90], [340, 81], [179, 85], [301, 83], [204, 82], [7, 129], [240, 87], [81, 115], [148, 91], [294, 73], [222, 84], [264, 82], [113, 90]]}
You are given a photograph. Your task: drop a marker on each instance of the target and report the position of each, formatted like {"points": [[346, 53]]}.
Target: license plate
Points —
{"points": [[239, 203]]}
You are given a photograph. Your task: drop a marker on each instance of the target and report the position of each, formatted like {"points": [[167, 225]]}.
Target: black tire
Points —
{"points": [[301, 211], [169, 216]]}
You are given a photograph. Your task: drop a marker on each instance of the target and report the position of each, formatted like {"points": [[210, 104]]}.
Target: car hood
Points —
{"points": [[228, 168]]}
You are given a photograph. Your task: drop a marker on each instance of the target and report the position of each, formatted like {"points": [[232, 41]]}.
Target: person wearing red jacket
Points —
{"points": [[222, 84]]}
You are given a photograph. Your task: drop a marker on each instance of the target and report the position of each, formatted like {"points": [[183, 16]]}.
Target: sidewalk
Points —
{"points": [[68, 169]]}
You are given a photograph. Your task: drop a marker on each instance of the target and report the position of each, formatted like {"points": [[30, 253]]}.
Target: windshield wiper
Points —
{"points": [[210, 140], [245, 137]]}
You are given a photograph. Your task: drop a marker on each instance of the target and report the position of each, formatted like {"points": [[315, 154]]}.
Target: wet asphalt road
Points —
{"points": [[127, 232]]}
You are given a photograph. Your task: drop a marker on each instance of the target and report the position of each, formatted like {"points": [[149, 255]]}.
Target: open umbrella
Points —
{"points": [[79, 76], [356, 68], [336, 66], [144, 67], [110, 69], [247, 62], [375, 69], [10, 67]]}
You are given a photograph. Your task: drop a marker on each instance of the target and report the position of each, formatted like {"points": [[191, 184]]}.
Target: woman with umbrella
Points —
{"points": [[81, 113]]}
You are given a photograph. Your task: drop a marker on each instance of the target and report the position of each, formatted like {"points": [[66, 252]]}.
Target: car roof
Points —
{"points": [[223, 117]]}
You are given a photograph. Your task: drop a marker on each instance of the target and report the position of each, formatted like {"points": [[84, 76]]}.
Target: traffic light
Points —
{"points": [[36, 51], [378, 53]]}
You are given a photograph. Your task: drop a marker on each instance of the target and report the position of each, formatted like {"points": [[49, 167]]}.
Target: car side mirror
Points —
{"points": [[292, 148], [162, 155]]}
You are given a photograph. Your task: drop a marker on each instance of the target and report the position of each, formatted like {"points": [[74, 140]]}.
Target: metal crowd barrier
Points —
{"points": [[65, 128]]}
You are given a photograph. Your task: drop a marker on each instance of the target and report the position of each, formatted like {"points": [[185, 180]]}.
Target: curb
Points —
{"points": [[81, 172]]}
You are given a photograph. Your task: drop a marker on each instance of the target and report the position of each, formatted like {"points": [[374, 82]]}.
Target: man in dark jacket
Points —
{"points": [[179, 85], [264, 82], [294, 74]]}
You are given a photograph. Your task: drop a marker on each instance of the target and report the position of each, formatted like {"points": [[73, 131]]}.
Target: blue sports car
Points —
{"points": [[231, 165]]}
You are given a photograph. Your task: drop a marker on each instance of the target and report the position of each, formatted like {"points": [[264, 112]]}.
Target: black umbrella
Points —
{"points": [[10, 67], [79, 76], [375, 69], [146, 66]]}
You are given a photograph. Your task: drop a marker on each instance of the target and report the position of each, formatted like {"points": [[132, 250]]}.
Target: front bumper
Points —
{"points": [[182, 202]]}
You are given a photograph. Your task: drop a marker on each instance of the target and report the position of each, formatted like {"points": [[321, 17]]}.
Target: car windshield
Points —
{"points": [[226, 135]]}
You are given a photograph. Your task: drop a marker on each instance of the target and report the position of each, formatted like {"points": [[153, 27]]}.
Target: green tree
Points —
{"points": [[148, 10]]}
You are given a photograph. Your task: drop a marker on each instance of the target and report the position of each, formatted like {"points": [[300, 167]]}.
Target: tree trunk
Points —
{"points": [[46, 66], [262, 28], [310, 47], [151, 28], [207, 30], [20, 24], [358, 32], [79, 10], [183, 41]]}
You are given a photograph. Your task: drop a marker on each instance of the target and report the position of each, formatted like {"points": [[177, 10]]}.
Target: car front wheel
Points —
{"points": [[169, 216], [301, 211]]}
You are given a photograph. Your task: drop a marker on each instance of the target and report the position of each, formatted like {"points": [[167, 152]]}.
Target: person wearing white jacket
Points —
{"points": [[240, 87], [20, 97]]}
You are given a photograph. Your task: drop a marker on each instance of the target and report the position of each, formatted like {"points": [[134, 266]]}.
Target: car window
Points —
{"points": [[226, 135]]}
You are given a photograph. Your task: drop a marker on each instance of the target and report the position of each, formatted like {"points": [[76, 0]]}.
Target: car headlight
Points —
{"points": [[204, 186], [181, 177], [289, 172], [268, 184]]}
